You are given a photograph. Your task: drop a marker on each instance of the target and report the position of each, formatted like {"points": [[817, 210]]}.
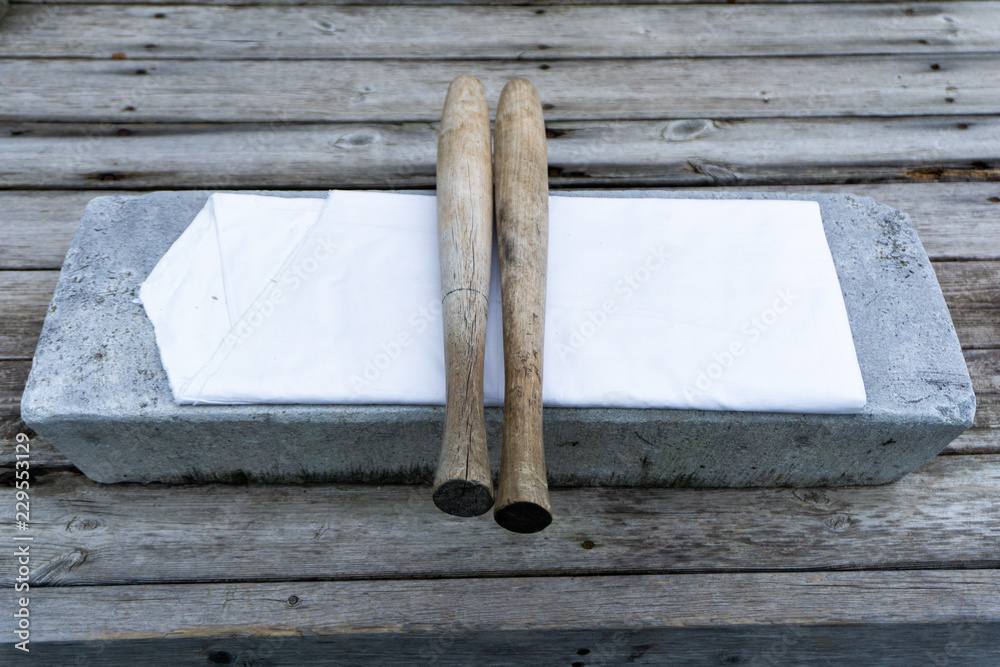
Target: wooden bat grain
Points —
{"points": [[463, 485], [521, 193]]}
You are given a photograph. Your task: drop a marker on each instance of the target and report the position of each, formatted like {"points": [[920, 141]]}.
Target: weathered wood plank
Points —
{"points": [[37, 227], [974, 441], [693, 152], [988, 414], [954, 220], [984, 368], [13, 375], [43, 454], [311, 32], [942, 516], [870, 618], [972, 291], [399, 90], [24, 300]]}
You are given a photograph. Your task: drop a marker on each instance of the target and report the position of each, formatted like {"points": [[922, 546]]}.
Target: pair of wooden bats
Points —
{"points": [[471, 181]]}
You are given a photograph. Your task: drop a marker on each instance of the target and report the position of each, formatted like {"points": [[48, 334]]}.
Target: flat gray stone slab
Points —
{"points": [[98, 392]]}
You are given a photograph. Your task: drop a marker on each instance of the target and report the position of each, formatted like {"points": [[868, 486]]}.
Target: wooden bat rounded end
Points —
{"points": [[463, 497], [520, 186], [523, 517], [522, 90], [464, 481]]}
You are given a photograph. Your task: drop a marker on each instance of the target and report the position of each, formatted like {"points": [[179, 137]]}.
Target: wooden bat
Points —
{"points": [[463, 485], [521, 190]]}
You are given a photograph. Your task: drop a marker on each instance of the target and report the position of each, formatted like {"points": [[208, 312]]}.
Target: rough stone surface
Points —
{"points": [[98, 392]]}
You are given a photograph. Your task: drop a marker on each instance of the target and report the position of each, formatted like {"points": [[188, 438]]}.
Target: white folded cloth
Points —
{"points": [[709, 304]]}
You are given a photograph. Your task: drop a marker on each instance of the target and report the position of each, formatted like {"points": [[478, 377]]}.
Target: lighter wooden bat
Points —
{"points": [[521, 190], [463, 485]]}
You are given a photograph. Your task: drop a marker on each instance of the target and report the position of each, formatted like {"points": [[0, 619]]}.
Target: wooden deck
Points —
{"points": [[899, 101]]}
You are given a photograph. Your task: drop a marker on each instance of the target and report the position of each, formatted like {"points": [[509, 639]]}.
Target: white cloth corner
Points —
{"points": [[708, 304]]}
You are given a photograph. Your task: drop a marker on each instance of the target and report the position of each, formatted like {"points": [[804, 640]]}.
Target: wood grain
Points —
{"points": [[521, 189], [954, 220], [463, 483], [871, 618], [778, 152], [37, 227], [24, 300], [984, 367], [988, 416], [941, 516], [323, 31], [977, 440], [13, 375], [170, 91], [974, 289], [43, 454]]}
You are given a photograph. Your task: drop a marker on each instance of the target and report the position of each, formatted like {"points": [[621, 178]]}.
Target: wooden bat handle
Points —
{"points": [[521, 189], [463, 485]]}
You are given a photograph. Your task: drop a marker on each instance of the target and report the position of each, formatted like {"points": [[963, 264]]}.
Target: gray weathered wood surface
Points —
{"points": [[699, 151], [943, 515], [310, 32], [894, 100], [141, 90], [772, 618]]}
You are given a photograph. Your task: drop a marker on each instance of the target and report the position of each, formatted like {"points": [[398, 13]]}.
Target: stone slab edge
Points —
{"points": [[98, 392]]}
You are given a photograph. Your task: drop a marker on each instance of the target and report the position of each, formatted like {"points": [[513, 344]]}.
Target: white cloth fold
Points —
{"points": [[710, 304]]}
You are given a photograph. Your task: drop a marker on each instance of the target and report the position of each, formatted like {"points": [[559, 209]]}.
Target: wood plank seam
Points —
{"points": [[877, 86]]}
